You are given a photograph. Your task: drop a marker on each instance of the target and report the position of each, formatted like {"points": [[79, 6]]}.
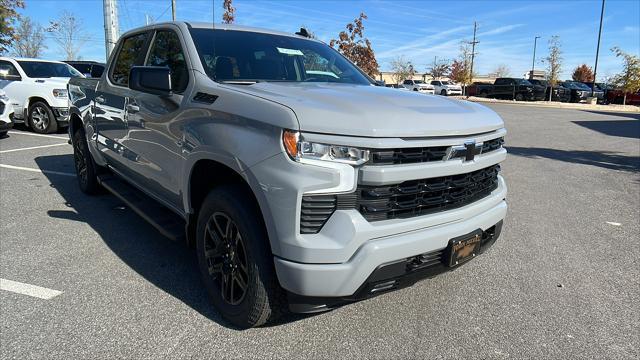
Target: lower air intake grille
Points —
{"points": [[315, 212]]}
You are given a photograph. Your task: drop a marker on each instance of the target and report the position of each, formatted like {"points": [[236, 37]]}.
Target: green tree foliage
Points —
{"points": [[629, 79], [8, 18]]}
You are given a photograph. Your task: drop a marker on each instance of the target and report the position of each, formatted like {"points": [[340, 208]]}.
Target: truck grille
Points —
{"points": [[426, 196], [404, 200], [422, 154]]}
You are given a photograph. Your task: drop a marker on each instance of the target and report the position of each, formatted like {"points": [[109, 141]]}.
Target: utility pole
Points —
{"points": [[473, 49], [111, 28], [533, 63], [595, 68], [173, 10]]}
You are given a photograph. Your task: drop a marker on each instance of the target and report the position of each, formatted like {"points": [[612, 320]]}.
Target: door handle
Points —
{"points": [[100, 100], [132, 109]]}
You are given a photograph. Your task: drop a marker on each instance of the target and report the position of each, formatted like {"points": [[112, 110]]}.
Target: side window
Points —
{"points": [[407, 82], [501, 82], [130, 55], [7, 68], [435, 83], [166, 51]]}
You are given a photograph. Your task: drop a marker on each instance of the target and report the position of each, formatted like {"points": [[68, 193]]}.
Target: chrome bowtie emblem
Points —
{"points": [[467, 152]]}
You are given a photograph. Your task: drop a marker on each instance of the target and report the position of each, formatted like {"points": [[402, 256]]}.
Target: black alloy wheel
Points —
{"points": [[226, 257]]}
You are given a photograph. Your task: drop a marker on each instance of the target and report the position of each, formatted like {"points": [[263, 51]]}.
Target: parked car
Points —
{"points": [[512, 89], [396, 86], [293, 187], [617, 97], [446, 88], [38, 91], [90, 69], [6, 111], [560, 93], [579, 91], [599, 92], [472, 89], [419, 86]]}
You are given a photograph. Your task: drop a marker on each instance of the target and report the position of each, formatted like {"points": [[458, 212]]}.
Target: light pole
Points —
{"points": [[533, 63], [595, 68]]}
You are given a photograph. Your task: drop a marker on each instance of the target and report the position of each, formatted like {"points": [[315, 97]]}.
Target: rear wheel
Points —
{"points": [[235, 259], [41, 118], [484, 93], [85, 167], [519, 97]]}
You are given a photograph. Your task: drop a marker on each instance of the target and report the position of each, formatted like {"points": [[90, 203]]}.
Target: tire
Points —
{"points": [[484, 93], [3, 134], [443, 92], [41, 118], [85, 167], [519, 97], [414, 89], [228, 213]]}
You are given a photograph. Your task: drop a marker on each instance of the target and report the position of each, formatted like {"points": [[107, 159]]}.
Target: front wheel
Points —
{"points": [[519, 97], [443, 92], [235, 259], [41, 118]]}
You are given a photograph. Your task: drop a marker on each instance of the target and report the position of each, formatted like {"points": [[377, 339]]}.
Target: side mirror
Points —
{"points": [[6, 76], [150, 79]]}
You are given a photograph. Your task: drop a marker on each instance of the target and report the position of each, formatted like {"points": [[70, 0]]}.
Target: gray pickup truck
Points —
{"points": [[300, 184]]}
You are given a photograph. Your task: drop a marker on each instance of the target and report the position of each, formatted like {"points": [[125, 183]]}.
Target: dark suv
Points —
{"points": [[559, 92]]}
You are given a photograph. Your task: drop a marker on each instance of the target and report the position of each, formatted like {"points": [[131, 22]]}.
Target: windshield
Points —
{"points": [[41, 69], [242, 56], [577, 85], [446, 83]]}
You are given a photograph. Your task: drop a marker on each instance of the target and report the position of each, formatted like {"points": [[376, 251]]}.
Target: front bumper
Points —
{"points": [[426, 91], [344, 279], [392, 276], [61, 114]]}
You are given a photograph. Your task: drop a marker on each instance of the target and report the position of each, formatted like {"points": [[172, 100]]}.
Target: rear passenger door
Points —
{"points": [[110, 103]]}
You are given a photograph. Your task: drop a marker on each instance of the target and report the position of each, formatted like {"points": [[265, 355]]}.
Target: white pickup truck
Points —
{"points": [[38, 91]]}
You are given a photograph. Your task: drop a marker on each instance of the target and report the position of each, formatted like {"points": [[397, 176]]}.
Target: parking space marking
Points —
{"points": [[28, 289], [40, 135], [36, 170], [31, 148]]}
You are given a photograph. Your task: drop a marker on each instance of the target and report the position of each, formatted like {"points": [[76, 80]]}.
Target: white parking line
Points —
{"points": [[31, 148], [28, 289], [36, 170], [40, 135]]}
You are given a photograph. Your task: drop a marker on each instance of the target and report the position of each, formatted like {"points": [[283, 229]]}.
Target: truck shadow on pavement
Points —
{"points": [[168, 265], [619, 128], [603, 159]]}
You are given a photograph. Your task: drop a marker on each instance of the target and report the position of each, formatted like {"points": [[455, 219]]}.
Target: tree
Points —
{"points": [[458, 71], [583, 73], [438, 69], [66, 33], [502, 70], [402, 69], [355, 47], [629, 79], [229, 12], [554, 62], [30, 39], [8, 17]]}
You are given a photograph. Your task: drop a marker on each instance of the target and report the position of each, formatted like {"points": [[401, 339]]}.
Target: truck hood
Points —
{"points": [[374, 111]]}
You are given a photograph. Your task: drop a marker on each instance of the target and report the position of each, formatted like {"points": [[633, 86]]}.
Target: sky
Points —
{"points": [[419, 31]]}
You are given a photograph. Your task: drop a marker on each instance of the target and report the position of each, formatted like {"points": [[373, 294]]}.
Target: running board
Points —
{"points": [[164, 220]]}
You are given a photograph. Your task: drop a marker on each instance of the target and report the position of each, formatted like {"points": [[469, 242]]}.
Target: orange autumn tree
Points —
{"points": [[355, 47]]}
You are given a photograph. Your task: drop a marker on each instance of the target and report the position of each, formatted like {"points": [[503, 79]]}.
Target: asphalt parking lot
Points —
{"points": [[562, 281]]}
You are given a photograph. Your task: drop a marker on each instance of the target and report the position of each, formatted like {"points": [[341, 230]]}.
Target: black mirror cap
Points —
{"points": [[10, 77], [150, 79]]}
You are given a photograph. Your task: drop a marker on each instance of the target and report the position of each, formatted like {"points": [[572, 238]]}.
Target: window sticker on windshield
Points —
{"points": [[289, 51]]}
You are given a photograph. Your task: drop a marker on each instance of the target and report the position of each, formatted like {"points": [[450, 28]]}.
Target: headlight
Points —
{"points": [[299, 149], [60, 93]]}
